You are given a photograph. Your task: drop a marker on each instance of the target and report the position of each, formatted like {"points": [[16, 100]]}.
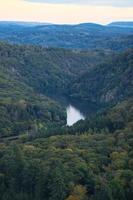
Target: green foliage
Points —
{"points": [[23, 110], [107, 83], [47, 70], [92, 159], [79, 193], [81, 36], [109, 120], [88, 166], [27, 74]]}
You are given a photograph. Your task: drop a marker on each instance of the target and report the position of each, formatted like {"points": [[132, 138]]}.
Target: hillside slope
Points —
{"points": [[23, 110], [48, 69], [29, 73], [122, 24], [84, 166], [106, 83], [81, 36]]}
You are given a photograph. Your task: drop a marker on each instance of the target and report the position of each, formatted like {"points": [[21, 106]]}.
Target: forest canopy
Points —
{"points": [[43, 159]]}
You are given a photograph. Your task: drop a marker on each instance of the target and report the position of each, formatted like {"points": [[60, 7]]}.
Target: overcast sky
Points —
{"points": [[67, 11]]}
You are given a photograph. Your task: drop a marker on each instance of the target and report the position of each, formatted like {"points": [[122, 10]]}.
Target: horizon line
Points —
{"points": [[53, 23]]}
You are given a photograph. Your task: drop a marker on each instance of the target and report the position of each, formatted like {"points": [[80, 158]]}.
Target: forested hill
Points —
{"points": [[29, 73], [90, 165], [95, 76], [92, 160], [81, 36], [108, 82], [122, 24], [22, 109], [48, 69], [112, 120]]}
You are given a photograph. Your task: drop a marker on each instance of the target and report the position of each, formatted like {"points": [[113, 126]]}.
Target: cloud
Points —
{"points": [[115, 3]]}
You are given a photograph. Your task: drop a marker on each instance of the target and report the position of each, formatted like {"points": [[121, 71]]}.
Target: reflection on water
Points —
{"points": [[76, 109], [73, 115]]}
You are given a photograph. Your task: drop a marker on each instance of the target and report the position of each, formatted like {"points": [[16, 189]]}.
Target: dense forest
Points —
{"points": [[40, 157], [81, 36], [48, 69], [97, 76], [23, 110], [27, 75], [94, 164], [108, 82]]}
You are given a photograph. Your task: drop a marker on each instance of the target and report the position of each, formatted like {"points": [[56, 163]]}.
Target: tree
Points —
{"points": [[79, 193], [57, 184], [103, 191]]}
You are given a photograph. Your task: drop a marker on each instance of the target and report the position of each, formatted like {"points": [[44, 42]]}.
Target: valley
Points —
{"points": [[66, 111]]}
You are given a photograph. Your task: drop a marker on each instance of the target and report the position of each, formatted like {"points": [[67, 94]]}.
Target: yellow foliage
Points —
{"points": [[79, 193], [71, 197], [29, 148], [70, 150]]}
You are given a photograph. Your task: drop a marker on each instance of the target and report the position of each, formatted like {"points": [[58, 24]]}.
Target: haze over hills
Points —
{"points": [[81, 36], [122, 24], [34, 23], [22, 23]]}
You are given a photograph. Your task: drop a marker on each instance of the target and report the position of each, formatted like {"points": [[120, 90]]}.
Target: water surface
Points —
{"points": [[76, 109], [73, 115]]}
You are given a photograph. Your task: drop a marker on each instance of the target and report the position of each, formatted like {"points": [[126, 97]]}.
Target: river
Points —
{"points": [[73, 115], [76, 109]]}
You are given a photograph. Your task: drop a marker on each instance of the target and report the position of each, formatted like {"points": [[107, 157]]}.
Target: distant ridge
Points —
{"points": [[22, 23], [122, 24], [74, 36], [89, 24]]}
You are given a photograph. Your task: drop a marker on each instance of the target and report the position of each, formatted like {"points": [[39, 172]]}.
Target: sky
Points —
{"points": [[66, 11]]}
